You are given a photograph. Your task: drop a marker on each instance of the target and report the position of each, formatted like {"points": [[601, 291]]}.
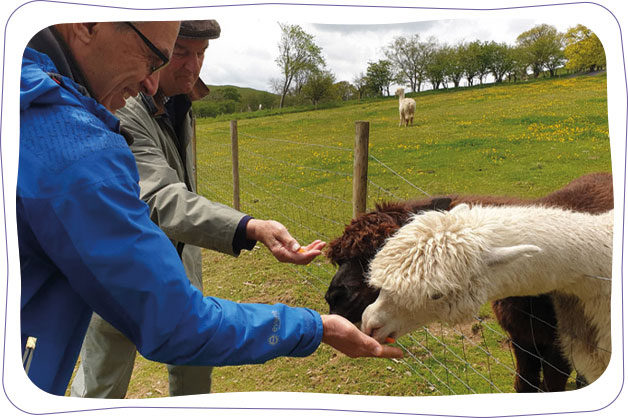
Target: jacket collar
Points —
{"points": [[157, 103], [199, 91]]}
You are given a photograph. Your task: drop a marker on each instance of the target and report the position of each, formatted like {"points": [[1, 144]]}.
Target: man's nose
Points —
{"points": [[150, 84], [193, 64]]}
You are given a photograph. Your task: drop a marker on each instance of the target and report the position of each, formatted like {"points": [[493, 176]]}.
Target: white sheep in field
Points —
{"points": [[443, 266], [406, 108]]}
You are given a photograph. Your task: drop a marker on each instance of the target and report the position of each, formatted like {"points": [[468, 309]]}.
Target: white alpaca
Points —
{"points": [[406, 108], [443, 266]]}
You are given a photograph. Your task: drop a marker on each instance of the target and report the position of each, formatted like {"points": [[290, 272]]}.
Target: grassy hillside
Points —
{"points": [[522, 139], [232, 99]]}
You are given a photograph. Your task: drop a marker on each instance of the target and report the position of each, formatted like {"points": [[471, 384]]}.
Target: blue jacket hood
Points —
{"points": [[42, 85]]}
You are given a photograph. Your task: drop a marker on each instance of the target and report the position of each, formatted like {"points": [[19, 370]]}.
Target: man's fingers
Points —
{"points": [[314, 245], [390, 352], [281, 234], [302, 255], [383, 351], [313, 249], [346, 338]]}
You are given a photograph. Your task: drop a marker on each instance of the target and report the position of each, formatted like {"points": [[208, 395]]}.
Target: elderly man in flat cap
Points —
{"points": [[163, 134]]}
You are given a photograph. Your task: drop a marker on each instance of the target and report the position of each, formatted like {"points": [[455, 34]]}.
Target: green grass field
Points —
{"points": [[523, 139]]}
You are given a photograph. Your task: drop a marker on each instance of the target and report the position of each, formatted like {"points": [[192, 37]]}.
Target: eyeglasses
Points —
{"points": [[164, 59]]}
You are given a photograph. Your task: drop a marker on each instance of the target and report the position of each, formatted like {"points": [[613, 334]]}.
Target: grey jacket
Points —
{"points": [[168, 184]]}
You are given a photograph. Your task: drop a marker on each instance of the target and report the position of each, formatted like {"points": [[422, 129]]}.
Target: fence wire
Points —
{"points": [[308, 188]]}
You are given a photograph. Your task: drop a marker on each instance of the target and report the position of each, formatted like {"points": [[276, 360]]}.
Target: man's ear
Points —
{"points": [[85, 32]]}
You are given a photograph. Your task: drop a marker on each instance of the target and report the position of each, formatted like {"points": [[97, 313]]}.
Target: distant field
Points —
{"points": [[515, 139]]}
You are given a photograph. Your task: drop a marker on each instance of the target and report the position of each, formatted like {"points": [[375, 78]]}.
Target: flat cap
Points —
{"points": [[199, 29]]}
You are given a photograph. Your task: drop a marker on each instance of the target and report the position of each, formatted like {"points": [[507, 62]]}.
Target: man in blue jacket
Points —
{"points": [[164, 146], [86, 240]]}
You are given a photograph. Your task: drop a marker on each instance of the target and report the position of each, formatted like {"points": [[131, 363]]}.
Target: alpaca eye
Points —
{"points": [[435, 295]]}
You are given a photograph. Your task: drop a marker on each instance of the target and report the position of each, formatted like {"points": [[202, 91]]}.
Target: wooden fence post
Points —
{"points": [[235, 170], [360, 167]]}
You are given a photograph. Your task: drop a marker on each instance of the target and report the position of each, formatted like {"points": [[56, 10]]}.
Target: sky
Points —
{"points": [[245, 53]]}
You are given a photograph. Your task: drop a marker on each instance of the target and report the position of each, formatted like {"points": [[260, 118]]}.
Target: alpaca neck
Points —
{"points": [[568, 262]]}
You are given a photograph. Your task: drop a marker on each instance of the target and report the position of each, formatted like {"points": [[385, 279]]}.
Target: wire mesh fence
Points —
{"points": [[308, 188]]}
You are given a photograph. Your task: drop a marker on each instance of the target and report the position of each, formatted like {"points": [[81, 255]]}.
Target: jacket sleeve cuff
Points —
{"points": [[240, 241], [312, 339], [318, 335]]}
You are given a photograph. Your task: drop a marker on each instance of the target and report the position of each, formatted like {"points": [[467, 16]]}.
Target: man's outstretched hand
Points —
{"points": [[281, 244], [345, 337]]}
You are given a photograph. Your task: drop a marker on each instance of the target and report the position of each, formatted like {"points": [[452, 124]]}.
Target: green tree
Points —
{"points": [[472, 61], [454, 69], [543, 48], [402, 52], [319, 86], [409, 57], [519, 68], [298, 54], [360, 83], [484, 60], [583, 50], [379, 77], [501, 60], [436, 68], [231, 93], [344, 90]]}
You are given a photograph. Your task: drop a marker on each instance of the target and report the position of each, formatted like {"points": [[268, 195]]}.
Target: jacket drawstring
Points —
{"points": [[27, 358]]}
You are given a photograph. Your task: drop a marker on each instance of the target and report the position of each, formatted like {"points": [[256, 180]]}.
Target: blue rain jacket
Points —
{"points": [[86, 244]]}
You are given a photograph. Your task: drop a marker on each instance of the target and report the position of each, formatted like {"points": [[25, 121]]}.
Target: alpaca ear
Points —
{"points": [[459, 208], [504, 255]]}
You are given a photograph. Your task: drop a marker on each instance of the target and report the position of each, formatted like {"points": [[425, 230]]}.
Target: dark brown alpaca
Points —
{"points": [[529, 321]]}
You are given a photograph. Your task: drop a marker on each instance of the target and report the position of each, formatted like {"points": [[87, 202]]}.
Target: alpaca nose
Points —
{"points": [[366, 329], [379, 335], [334, 297]]}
